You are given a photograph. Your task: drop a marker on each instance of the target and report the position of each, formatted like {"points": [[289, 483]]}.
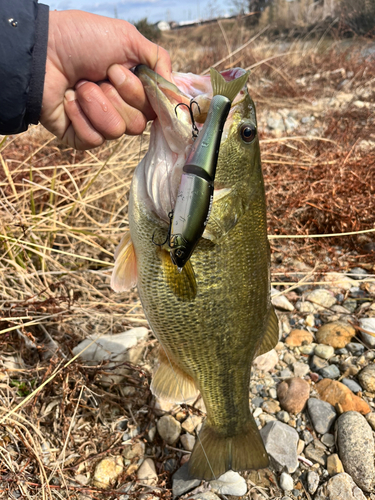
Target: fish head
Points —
{"points": [[178, 106]]}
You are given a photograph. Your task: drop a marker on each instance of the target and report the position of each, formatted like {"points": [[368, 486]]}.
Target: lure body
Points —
{"points": [[195, 194]]}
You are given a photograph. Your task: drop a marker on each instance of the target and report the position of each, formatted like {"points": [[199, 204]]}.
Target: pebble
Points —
{"points": [[312, 481], [316, 454], [357, 273], [336, 334], [334, 465], [187, 441], [331, 371], [370, 417], [169, 429], [182, 482], [207, 495], [369, 325], [271, 406], [281, 442], [300, 369], [107, 471], [324, 351], [335, 392], [230, 483], [135, 450], [298, 338], [147, 473], [283, 416], [267, 361], [293, 394], [352, 384], [350, 305], [318, 363], [286, 482], [340, 487], [328, 439], [191, 423], [355, 348], [367, 377], [307, 349], [280, 301], [321, 298], [322, 415], [356, 448]]}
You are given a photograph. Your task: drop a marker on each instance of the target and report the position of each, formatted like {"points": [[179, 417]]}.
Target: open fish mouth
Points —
{"points": [[172, 131]]}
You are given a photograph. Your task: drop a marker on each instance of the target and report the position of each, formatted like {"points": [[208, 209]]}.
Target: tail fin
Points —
{"points": [[215, 454], [228, 89]]}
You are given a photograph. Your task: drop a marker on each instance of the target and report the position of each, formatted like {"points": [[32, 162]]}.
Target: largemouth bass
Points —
{"points": [[214, 316]]}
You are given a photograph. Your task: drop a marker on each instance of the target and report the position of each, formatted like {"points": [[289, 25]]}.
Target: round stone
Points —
{"points": [[169, 429], [336, 334], [367, 377]]}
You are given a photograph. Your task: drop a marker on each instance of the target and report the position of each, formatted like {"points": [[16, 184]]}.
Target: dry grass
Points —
{"points": [[61, 216]]}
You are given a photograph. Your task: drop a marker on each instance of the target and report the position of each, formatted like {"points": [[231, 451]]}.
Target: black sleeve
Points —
{"points": [[23, 53]]}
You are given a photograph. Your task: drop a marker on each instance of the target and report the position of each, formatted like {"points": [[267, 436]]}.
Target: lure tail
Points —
{"points": [[227, 89]]}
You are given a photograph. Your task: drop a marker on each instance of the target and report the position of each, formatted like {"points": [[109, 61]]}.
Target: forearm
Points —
{"points": [[23, 51]]}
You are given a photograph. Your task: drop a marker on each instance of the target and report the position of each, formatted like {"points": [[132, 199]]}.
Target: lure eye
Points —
{"points": [[248, 133]]}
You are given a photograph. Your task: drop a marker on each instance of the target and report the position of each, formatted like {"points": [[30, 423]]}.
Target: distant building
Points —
{"points": [[163, 26]]}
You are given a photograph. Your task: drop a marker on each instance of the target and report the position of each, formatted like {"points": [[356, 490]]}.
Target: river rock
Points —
{"points": [[187, 441], [317, 363], [230, 483], [280, 301], [312, 481], [286, 482], [300, 369], [336, 334], [135, 450], [191, 423], [281, 442], [321, 298], [370, 417], [324, 351], [369, 325], [352, 384], [339, 281], [334, 465], [322, 415], [267, 361], [107, 471], [297, 338], [367, 377], [316, 453], [356, 448], [147, 472], [340, 487], [182, 482], [331, 371], [206, 495], [335, 392], [169, 429], [293, 394]]}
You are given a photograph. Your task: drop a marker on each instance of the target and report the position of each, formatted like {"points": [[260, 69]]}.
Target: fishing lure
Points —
{"points": [[196, 190]]}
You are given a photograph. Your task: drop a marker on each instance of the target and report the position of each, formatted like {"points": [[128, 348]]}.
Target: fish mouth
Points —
{"points": [[172, 131]]}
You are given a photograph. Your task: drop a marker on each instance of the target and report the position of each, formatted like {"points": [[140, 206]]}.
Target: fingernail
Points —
{"points": [[80, 83], [70, 95], [117, 75]]}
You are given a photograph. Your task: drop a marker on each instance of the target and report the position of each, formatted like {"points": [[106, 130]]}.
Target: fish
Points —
{"points": [[213, 316]]}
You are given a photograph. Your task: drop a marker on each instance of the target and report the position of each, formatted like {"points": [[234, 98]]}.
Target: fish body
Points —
{"points": [[216, 315]]}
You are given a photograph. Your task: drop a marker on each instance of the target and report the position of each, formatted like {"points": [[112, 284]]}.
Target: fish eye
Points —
{"points": [[248, 132]]}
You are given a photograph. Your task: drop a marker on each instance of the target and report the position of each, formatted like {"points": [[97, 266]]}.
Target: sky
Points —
{"points": [[154, 10]]}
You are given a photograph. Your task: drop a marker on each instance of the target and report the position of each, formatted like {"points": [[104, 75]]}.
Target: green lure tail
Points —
{"points": [[227, 89]]}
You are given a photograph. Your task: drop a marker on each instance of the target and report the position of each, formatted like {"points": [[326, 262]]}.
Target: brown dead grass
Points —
{"points": [[62, 213]]}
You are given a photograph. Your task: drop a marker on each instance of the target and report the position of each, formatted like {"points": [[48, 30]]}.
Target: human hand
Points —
{"points": [[84, 49]]}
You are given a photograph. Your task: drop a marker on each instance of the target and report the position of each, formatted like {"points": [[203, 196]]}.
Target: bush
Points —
{"points": [[148, 30]]}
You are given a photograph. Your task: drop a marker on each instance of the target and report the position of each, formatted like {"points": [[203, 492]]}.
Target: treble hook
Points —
{"points": [[195, 130], [167, 239]]}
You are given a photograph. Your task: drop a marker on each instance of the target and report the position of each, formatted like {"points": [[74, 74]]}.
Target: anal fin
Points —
{"points": [[124, 274], [271, 336], [171, 383]]}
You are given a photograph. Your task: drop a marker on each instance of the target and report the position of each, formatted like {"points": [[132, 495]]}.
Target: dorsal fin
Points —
{"points": [[228, 89]]}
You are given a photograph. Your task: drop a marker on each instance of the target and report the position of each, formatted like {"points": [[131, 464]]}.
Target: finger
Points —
{"points": [[99, 110], [156, 58], [80, 134], [130, 89], [134, 119]]}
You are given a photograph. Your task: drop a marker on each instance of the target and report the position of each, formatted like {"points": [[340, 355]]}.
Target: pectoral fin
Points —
{"points": [[171, 383], [271, 337], [182, 283], [124, 274]]}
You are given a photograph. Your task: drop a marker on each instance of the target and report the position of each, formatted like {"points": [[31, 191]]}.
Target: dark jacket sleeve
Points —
{"points": [[23, 52]]}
